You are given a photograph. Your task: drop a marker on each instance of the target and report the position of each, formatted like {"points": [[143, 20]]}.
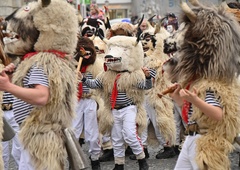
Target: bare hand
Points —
{"points": [[146, 71], [80, 76], [188, 95]]}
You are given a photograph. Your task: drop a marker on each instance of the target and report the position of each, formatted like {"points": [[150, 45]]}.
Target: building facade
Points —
{"points": [[118, 9]]}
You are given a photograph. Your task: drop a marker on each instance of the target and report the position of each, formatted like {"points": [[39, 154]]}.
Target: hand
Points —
{"points": [[175, 95], [9, 68], [188, 95], [146, 71], [4, 81], [80, 76]]}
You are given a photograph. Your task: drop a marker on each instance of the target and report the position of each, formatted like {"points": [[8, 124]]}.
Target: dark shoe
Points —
{"points": [[81, 141], [118, 167], [133, 157], [107, 155], [128, 151], [95, 165], [167, 153], [143, 165], [176, 150]]}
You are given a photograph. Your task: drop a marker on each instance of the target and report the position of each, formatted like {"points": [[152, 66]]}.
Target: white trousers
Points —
{"points": [[6, 145], [151, 116], [124, 130], [178, 121], [86, 119], [186, 159]]}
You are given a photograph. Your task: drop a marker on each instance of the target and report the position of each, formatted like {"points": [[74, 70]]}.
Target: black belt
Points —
{"points": [[192, 133], [6, 107], [118, 107]]}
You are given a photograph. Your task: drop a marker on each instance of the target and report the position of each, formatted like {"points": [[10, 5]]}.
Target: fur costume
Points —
{"points": [[163, 106], [209, 58], [45, 26], [131, 63], [94, 66]]}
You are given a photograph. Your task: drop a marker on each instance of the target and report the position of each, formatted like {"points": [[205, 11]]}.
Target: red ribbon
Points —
{"points": [[80, 86], [57, 53], [114, 92], [186, 107]]}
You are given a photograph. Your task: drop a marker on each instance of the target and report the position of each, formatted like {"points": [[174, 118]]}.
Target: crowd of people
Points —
{"points": [[59, 82]]}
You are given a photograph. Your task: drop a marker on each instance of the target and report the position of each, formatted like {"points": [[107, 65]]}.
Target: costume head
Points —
{"points": [[124, 54], [89, 26], [85, 48], [121, 28], [209, 47], [148, 38], [35, 27]]}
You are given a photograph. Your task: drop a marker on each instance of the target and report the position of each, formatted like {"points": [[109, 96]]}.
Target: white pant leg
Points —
{"points": [[186, 159], [116, 134], [77, 123], [16, 153], [129, 130], [25, 161], [16, 149], [144, 135], [152, 116], [106, 138], [5, 154], [91, 131]]}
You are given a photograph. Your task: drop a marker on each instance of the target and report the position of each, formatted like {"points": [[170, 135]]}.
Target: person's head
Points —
{"points": [[144, 25], [94, 9], [172, 25], [171, 16]]}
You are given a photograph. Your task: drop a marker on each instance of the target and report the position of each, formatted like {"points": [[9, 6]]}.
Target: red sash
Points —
{"points": [[186, 107], [114, 92], [80, 87], [57, 53]]}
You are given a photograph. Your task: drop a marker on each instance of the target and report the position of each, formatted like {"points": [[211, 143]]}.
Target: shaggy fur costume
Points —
{"points": [[43, 26], [218, 136], [133, 63], [209, 59], [163, 106]]}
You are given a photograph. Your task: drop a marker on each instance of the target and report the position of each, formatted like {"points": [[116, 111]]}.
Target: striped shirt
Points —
{"points": [[85, 88], [122, 98], [210, 99], [35, 76], [153, 72], [7, 98]]}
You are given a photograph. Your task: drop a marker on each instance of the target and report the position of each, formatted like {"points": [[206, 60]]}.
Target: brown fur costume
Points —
{"points": [[163, 106], [209, 58], [50, 25]]}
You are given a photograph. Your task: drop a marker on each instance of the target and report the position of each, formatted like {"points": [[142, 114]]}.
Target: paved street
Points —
{"points": [[154, 164]]}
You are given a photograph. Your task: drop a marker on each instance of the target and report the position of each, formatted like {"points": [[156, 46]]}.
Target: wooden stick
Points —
{"points": [[79, 63], [168, 90]]}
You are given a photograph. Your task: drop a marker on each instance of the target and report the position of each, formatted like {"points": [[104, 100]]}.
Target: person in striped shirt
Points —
{"points": [[35, 91], [210, 106]]}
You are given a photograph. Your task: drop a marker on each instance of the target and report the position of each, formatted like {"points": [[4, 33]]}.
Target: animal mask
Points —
{"points": [[209, 48], [124, 54], [35, 27]]}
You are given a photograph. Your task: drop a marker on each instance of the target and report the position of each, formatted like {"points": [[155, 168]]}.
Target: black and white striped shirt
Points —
{"points": [[34, 76], [153, 72], [122, 98], [7, 98], [210, 99], [85, 88]]}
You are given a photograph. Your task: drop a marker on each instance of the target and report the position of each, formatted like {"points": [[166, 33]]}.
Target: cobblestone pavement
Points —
{"points": [[154, 164]]}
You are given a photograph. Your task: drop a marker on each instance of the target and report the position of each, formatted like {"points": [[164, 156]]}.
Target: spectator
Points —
{"points": [[95, 12]]}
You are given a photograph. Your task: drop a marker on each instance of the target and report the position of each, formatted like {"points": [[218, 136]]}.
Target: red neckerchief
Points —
{"points": [[114, 91], [186, 107], [80, 87], [57, 53]]}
